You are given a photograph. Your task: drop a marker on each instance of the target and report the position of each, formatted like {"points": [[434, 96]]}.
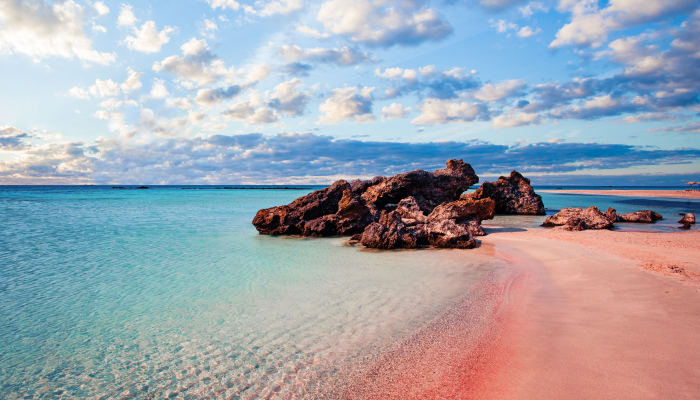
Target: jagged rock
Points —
{"points": [[391, 233], [687, 219], [639, 216], [348, 208], [611, 215], [428, 189], [578, 219], [467, 212], [448, 234], [513, 195]]}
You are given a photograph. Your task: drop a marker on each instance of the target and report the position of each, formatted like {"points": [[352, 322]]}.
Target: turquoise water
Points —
{"points": [[171, 293], [167, 292]]}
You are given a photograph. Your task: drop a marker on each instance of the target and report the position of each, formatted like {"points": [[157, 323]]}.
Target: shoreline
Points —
{"points": [[630, 193], [593, 324]]}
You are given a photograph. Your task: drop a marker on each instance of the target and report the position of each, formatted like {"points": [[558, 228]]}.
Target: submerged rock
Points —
{"points": [[578, 219], [513, 195], [687, 219]]}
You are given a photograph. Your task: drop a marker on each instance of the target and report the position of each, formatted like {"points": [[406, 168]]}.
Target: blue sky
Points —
{"points": [[298, 91]]}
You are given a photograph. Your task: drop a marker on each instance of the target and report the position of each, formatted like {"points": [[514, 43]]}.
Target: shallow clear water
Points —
{"points": [[166, 292], [171, 293]]}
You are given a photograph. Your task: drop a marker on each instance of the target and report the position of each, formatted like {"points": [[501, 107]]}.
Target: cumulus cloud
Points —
{"points": [[526, 31], [344, 56], [496, 5], [441, 84], [212, 96], [148, 39], [246, 111], [383, 23], [348, 103], [100, 8], [126, 16], [197, 65], [503, 90], [79, 93], [314, 33], [133, 82], [13, 139], [286, 97], [297, 69], [591, 25], [529, 10], [158, 90], [511, 120], [40, 30], [436, 112], [104, 88], [395, 111]]}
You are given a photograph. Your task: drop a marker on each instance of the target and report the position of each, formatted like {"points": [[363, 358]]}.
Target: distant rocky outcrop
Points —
{"points": [[513, 195], [578, 219], [687, 219]]}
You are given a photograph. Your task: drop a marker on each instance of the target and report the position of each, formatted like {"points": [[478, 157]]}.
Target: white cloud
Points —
{"points": [[305, 30], [102, 114], [158, 90], [257, 73], [79, 93], [105, 88], [287, 99], [591, 25], [98, 28], [126, 16], [196, 65], [41, 30], [382, 23], [395, 111], [269, 8], [511, 120], [526, 31], [101, 8], [502, 26], [178, 102], [224, 4], [132, 82], [148, 39], [436, 112], [347, 103], [491, 92], [529, 10], [345, 56], [251, 112]]}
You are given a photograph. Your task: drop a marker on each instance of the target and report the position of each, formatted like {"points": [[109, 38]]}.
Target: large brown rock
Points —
{"points": [[513, 195], [646, 216], [391, 233], [348, 208], [578, 219]]}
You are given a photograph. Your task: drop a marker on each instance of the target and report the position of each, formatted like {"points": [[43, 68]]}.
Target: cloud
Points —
{"points": [[503, 90], [383, 23], [148, 39], [100, 8], [104, 88], [79, 93], [347, 103], [273, 7], [291, 157], [197, 66], [297, 69], [345, 56], [529, 10], [287, 99], [40, 30], [133, 82], [126, 16], [246, 112], [224, 4], [511, 120], [178, 102], [305, 30], [496, 5], [12, 139], [445, 84], [526, 32], [591, 25], [691, 127], [655, 116], [159, 91], [437, 112], [395, 111], [212, 96], [503, 26]]}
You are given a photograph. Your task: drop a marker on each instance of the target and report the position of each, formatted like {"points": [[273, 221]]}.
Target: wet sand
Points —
{"points": [[637, 193], [589, 324]]}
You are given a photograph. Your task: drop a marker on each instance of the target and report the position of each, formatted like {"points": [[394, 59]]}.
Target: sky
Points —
{"points": [[308, 92]]}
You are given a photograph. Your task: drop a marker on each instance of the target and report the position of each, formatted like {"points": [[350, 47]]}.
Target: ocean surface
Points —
{"points": [[171, 293]]}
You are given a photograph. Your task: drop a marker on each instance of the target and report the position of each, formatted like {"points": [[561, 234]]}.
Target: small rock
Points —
{"points": [[645, 216], [578, 219], [687, 219]]}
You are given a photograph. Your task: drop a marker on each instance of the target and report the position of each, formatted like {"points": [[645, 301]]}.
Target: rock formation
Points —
{"points": [[578, 219], [687, 219], [513, 195], [647, 216]]}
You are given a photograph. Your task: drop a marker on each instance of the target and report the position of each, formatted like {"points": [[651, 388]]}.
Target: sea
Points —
{"points": [[169, 292]]}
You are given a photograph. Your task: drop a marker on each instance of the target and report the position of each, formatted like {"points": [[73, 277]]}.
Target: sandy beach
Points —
{"points": [[638, 193], [599, 315]]}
